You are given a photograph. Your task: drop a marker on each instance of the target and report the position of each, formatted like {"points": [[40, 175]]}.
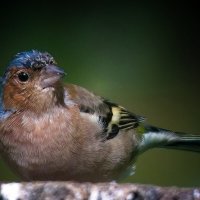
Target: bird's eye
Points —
{"points": [[23, 76]]}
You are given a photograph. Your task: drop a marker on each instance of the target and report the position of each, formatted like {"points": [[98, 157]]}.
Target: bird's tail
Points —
{"points": [[157, 137]]}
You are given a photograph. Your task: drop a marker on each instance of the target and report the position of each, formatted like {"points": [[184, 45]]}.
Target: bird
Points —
{"points": [[51, 130]]}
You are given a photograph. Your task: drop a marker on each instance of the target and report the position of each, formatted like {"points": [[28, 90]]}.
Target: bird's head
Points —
{"points": [[32, 81]]}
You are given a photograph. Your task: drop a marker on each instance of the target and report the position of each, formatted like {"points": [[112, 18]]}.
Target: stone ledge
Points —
{"points": [[99, 191]]}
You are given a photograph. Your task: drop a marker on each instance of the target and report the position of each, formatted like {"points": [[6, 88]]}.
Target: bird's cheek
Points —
{"points": [[12, 97], [13, 101], [19, 98]]}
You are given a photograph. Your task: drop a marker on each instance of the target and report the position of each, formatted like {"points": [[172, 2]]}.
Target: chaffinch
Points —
{"points": [[55, 131]]}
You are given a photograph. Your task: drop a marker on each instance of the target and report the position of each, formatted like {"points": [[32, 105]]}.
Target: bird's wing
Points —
{"points": [[113, 117]]}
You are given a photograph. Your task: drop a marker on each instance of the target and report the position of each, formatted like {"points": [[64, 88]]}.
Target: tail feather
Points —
{"points": [[188, 143], [157, 137]]}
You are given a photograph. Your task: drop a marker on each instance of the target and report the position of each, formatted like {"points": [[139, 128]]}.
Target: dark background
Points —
{"points": [[142, 55]]}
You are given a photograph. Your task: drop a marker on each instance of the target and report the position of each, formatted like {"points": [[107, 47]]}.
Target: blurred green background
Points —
{"points": [[140, 54]]}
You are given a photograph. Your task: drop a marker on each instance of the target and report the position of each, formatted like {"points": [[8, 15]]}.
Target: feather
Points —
{"points": [[162, 138], [112, 116]]}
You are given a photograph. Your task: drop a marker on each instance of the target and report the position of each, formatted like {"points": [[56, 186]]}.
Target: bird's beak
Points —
{"points": [[51, 75]]}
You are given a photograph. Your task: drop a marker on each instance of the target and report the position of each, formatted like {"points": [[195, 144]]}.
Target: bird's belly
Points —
{"points": [[38, 167], [38, 163], [59, 153]]}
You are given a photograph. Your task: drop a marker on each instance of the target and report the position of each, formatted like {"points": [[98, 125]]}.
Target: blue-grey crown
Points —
{"points": [[31, 58]]}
